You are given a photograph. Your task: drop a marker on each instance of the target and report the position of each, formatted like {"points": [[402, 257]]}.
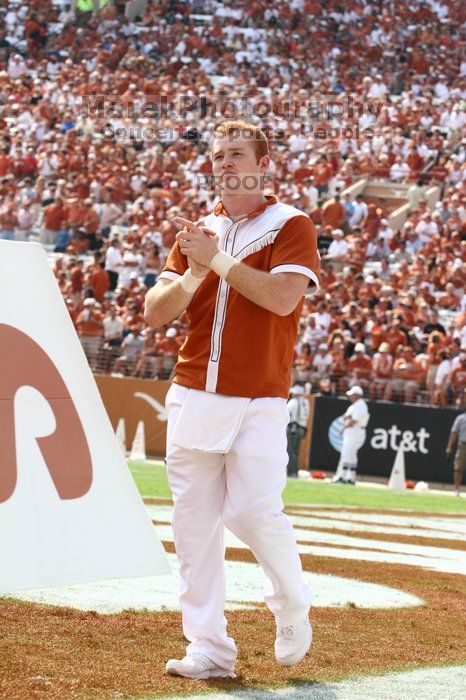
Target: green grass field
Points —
{"points": [[151, 480]]}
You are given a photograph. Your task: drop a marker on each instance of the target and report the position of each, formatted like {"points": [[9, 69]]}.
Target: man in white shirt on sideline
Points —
{"points": [[356, 419], [298, 407]]}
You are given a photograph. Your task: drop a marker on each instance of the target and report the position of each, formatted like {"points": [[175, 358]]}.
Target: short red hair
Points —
{"points": [[249, 132]]}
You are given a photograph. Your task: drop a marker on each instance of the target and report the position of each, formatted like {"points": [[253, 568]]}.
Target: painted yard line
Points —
{"points": [[244, 585], [430, 523], [440, 524], [377, 510], [436, 558], [361, 510], [451, 566], [316, 538], [340, 524]]}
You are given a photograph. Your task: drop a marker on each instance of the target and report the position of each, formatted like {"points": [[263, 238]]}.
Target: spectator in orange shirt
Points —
{"points": [[90, 223], [169, 346], [8, 222], [75, 213], [334, 213], [323, 171], [359, 366], [100, 282], [394, 336], [90, 327], [54, 216], [357, 255], [77, 280], [338, 369], [149, 362], [406, 376], [303, 170], [458, 380], [382, 366], [435, 347], [302, 365], [371, 222], [5, 162]]}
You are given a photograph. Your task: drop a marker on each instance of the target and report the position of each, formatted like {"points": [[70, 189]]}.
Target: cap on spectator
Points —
{"points": [[297, 390], [384, 347], [359, 347], [370, 279], [171, 333], [89, 302], [355, 391], [322, 346], [384, 222], [338, 232]]}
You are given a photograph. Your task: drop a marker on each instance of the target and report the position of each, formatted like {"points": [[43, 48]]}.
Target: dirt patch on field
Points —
{"points": [[48, 652], [387, 537], [157, 501]]}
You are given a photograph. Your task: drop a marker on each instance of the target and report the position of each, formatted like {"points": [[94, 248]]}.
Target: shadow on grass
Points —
{"points": [[241, 688]]}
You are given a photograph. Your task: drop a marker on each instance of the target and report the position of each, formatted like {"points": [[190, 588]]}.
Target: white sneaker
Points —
{"points": [[196, 666], [293, 642]]}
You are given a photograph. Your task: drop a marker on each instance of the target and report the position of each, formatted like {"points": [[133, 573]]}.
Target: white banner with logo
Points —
{"points": [[69, 509]]}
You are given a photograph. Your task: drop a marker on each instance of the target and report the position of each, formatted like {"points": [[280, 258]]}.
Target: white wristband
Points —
{"points": [[222, 263], [189, 282]]}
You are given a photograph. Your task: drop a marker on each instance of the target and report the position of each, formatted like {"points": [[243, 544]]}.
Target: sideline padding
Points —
{"points": [[69, 509]]}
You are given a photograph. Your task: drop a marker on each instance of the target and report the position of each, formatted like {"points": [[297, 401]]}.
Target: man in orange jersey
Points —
{"points": [[241, 275]]}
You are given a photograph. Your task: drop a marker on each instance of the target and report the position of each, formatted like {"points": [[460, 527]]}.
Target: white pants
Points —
{"points": [[240, 490], [353, 439]]}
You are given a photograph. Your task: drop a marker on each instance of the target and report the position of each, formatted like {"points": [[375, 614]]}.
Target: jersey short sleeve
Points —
{"points": [[176, 264], [457, 424], [295, 250]]}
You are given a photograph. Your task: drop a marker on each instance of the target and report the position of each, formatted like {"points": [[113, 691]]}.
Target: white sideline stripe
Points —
{"points": [[450, 525], [447, 683], [310, 521], [382, 529], [434, 558]]}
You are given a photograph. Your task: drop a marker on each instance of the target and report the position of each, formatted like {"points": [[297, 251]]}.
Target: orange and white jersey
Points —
{"points": [[235, 347]]}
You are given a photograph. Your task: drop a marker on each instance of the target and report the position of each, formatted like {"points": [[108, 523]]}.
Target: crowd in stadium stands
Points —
{"points": [[95, 165]]}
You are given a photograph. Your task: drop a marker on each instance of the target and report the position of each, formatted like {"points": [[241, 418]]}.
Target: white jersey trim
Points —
{"points": [[169, 275], [299, 269]]}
